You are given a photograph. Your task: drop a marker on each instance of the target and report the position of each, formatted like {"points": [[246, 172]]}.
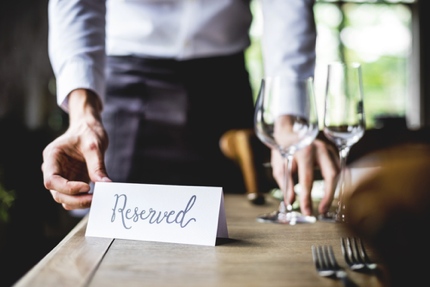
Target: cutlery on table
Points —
{"points": [[355, 254], [327, 266]]}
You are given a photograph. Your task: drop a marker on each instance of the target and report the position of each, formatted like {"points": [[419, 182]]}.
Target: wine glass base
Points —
{"points": [[331, 217], [290, 217]]}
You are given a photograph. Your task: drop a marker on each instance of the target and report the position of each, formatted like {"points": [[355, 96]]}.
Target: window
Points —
{"points": [[378, 34]]}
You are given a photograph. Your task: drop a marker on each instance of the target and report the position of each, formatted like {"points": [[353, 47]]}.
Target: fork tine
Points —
{"points": [[353, 250], [322, 261], [323, 258], [361, 250], [358, 249], [316, 258], [330, 257], [345, 252]]}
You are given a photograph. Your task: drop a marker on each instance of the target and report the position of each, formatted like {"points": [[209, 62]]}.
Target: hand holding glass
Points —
{"points": [[286, 120]]}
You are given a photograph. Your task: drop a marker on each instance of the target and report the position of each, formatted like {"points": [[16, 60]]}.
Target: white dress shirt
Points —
{"points": [[82, 32]]}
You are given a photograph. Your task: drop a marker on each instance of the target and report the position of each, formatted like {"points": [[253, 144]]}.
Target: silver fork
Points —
{"points": [[327, 266], [355, 254]]}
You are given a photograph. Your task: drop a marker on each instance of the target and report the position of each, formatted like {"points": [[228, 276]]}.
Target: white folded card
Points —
{"points": [[165, 213]]}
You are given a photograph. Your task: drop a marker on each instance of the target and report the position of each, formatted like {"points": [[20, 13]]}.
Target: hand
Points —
{"points": [[318, 153], [75, 158]]}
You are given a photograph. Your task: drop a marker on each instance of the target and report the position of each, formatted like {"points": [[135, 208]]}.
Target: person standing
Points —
{"points": [[150, 87]]}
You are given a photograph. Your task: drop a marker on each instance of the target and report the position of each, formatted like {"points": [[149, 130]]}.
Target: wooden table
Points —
{"points": [[257, 254]]}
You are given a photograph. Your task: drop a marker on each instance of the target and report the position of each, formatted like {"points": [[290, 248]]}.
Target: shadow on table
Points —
{"points": [[223, 241]]}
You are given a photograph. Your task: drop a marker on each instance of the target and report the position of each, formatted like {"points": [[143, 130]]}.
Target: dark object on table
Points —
{"points": [[390, 210]]}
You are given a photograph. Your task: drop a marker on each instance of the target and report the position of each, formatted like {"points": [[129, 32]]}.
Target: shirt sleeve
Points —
{"points": [[289, 38], [76, 46]]}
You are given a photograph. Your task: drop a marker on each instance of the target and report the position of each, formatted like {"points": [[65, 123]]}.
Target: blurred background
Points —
{"points": [[386, 36], [30, 222], [378, 34]]}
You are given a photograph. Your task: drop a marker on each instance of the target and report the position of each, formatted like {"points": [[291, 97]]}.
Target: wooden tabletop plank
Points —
{"points": [[71, 263]]}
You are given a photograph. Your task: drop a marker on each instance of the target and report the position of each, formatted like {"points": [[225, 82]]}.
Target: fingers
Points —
{"points": [[70, 163], [305, 168], [328, 161], [72, 194], [279, 171], [277, 164], [325, 156], [53, 167], [95, 165], [62, 185], [93, 146], [71, 202], [321, 154]]}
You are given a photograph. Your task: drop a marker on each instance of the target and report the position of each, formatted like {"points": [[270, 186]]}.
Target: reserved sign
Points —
{"points": [[165, 213]]}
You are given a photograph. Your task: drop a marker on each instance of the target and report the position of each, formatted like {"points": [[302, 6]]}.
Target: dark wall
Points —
{"points": [[29, 119], [25, 71]]}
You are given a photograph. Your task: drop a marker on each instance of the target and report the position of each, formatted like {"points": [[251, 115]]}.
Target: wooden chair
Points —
{"points": [[243, 147]]}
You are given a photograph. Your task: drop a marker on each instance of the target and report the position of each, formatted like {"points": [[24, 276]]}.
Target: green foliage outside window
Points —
{"points": [[6, 201], [375, 33]]}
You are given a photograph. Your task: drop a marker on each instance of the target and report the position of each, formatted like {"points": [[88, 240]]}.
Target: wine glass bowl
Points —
{"points": [[344, 135], [344, 120], [286, 120]]}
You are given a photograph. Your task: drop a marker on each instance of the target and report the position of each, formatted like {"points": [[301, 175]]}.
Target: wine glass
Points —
{"points": [[286, 119], [344, 121]]}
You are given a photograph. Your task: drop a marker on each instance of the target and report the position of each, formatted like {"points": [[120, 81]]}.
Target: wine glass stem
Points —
{"points": [[343, 155], [288, 163]]}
